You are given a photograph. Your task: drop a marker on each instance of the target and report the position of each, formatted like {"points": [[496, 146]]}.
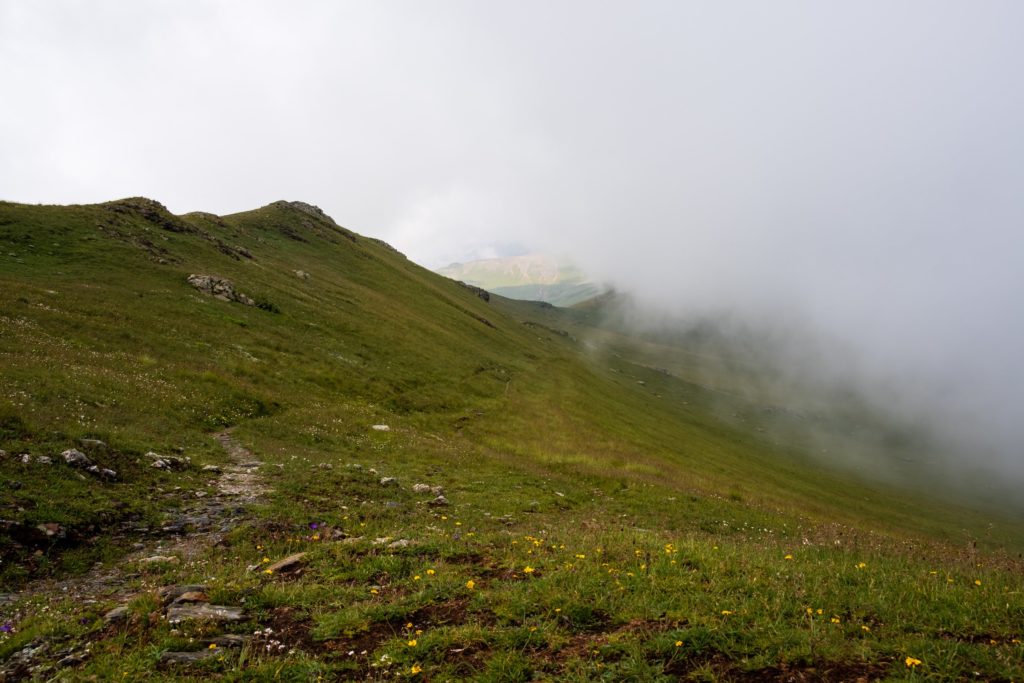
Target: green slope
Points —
{"points": [[646, 518]]}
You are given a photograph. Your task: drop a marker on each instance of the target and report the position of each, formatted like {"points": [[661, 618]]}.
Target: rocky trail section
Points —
{"points": [[188, 531]]}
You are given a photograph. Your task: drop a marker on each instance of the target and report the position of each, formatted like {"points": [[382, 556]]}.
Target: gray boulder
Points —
{"points": [[219, 288], [76, 458]]}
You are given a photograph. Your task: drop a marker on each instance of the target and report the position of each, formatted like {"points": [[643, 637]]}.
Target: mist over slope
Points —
{"points": [[533, 277]]}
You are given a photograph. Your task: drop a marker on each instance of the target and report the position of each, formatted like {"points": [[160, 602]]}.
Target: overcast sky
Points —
{"points": [[859, 165]]}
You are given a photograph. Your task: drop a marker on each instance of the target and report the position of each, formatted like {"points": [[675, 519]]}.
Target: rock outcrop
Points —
{"points": [[219, 288]]}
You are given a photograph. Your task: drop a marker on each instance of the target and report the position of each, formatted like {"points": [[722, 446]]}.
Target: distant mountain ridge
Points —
{"points": [[532, 277]]}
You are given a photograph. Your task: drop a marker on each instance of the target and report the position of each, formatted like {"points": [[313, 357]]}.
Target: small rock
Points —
{"points": [[228, 640], [14, 484], [440, 501], [76, 458], [203, 610], [187, 657], [92, 443], [382, 540], [212, 468], [171, 593], [290, 563], [421, 488], [51, 529], [301, 274], [352, 540], [168, 462], [401, 543], [44, 460], [117, 614], [392, 505], [382, 428], [26, 459], [170, 559], [326, 466], [102, 473], [70, 660], [388, 481], [3, 453]]}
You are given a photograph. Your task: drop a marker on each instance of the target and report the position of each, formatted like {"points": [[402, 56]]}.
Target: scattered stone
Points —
{"points": [[440, 501], [227, 640], [44, 460], [203, 610], [3, 453], [290, 563], [382, 540], [388, 481], [352, 540], [155, 559], [102, 472], [216, 469], [169, 658], [391, 505], [51, 529], [171, 593], [401, 543], [301, 274], [92, 443], [168, 462], [382, 428], [70, 660], [26, 459], [118, 614], [76, 458], [14, 484], [336, 535], [325, 466], [219, 288], [191, 596]]}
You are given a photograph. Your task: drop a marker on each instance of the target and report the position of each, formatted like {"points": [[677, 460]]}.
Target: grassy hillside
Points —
{"points": [[603, 521]]}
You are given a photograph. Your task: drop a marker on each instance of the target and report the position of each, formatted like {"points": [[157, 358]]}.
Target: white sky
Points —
{"points": [[857, 164]]}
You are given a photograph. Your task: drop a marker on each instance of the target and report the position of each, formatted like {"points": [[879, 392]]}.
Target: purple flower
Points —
{"points": [[314, 526], [7, 628]]}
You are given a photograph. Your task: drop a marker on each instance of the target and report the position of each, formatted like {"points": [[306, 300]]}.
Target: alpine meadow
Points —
{"points": [[261, 446]]}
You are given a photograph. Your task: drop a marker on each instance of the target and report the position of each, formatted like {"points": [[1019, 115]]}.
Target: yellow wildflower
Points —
{"points": [[470, 584], [415, 669], [213, 646], [679, 643], [788, 557], [430, 572], [412, 643], [726, 612], [528, 569], [911, 662], [977, 582], [416, 578]]}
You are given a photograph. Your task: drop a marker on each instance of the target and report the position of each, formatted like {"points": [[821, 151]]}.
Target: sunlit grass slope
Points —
{"points": [[605, 522]]}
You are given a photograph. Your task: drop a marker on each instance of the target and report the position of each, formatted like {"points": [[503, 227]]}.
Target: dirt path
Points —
{"points": [[187, 533]]}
